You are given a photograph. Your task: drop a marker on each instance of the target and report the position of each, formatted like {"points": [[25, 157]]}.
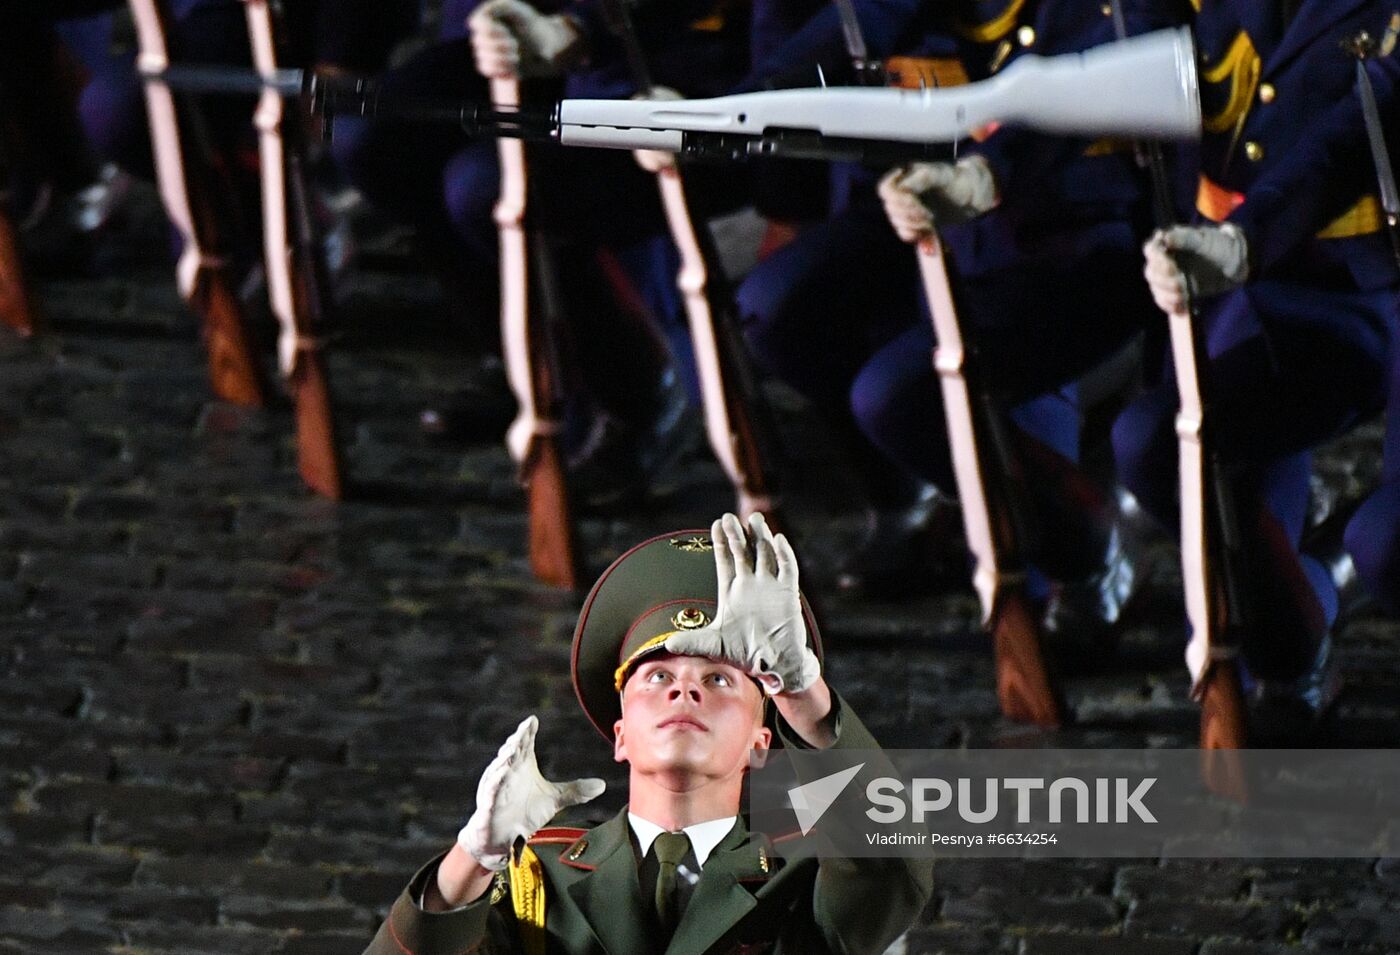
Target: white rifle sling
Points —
{"points": [[949, 360], [277, 249], [154, 57], [515, 287]]}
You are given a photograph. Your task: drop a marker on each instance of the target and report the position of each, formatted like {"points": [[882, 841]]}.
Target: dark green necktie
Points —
{"points": [[670, 849]]}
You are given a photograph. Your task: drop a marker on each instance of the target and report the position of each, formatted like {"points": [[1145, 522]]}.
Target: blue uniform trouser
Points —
{"points": [[1373, 533], [1290, 366]]}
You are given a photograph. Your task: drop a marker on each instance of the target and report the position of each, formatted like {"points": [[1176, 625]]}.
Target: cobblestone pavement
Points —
{"points": [[236, 718]]}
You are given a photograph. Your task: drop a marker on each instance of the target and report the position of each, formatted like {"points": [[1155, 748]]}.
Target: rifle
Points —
{"points": [[986, 469], [528, 324], [295, 268], [1143, 87], [736, 414], [203, 273], [1212, 558]]}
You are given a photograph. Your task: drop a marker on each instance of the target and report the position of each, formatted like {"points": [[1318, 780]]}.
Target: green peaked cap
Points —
{"points": [[661, 586]]}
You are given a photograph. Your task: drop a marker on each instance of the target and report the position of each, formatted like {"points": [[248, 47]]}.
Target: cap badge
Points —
{"points": [[690, 618]]}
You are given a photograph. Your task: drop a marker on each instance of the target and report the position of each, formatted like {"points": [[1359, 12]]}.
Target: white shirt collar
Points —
{"points": [[704, 836]]}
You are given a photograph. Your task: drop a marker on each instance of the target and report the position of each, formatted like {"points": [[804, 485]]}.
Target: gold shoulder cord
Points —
{"points": [[527, 896]]}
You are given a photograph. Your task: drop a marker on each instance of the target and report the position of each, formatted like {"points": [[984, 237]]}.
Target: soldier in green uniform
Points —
{"points": [[681, 646]]}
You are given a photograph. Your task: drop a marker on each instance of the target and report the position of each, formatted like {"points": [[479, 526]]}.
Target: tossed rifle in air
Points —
{"points": [[1213, 558], [736, 413], [1143, 87], [183, 175], [531, 326], [296, 270]]}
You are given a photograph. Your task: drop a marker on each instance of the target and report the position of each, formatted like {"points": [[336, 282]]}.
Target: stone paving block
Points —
{"points": [[139, 904], [1030, 911], [25, 896], [160, 936], [80, 798], [258, 911], [222, 876], [311, 848], [1247, 921], [172, 837], [58, 931], [1307, 881], [1067, 877], [382, 817], [186, 708], [1345, 927], [946, 940], [1206, 881], [1075, 943], [267, 678], [323, 943]]}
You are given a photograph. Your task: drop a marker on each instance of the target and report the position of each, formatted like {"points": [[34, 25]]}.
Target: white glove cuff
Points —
{"points": [[495, 861]]}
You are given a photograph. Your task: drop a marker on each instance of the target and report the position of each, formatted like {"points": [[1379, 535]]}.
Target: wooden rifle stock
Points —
{"points": [[295, 270], [17, 308], [183, 167], [532, 364], [1206, 517], [982, 464]]}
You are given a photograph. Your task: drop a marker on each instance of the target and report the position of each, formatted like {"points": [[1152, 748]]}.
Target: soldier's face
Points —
{"points": [[693, 716]]}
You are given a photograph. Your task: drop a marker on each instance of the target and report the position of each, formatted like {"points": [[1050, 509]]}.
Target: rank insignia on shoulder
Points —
{"points": [[695, 544], [500, 887]]}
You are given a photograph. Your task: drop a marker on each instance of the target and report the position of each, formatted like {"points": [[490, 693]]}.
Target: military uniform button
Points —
{"points": [[1106, 9], [1254, 151], [1267, 93], [1026, 35]]}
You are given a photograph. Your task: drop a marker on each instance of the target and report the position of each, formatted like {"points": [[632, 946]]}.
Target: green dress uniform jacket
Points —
{"points": [[746, 900]]}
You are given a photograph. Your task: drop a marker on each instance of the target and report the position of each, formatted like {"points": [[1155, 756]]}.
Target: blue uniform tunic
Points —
{"points": [[1320, 179]]}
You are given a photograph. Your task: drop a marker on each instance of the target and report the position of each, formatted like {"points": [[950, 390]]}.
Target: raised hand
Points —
{"points": [[758, 623], [514, 800]]}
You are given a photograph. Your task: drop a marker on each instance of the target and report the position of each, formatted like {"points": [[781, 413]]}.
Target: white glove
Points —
{"points": [[655, 160], [1194, 260], [511, 39], [758, 624], [514, 800], [923, 194]]}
